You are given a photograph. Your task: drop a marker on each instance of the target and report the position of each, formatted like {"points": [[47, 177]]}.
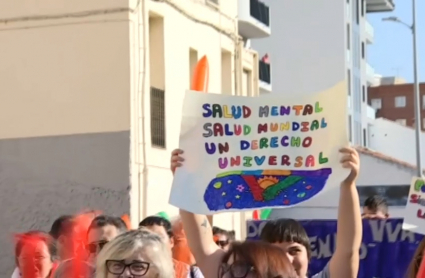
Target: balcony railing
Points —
{"points": [[264, 73], [260, 11], [369, 29], [370, 71], [370, 112]]}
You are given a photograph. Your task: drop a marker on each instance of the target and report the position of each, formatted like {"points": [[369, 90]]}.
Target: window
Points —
{"points": [[157, 117], [376, 103], [226, 72], [400, 101], [363, 50], [423, 102], [348, 36], [401, 121], [246, 83], [364, 137], [364, 93], [193, 60], [350, 135], [349, 82], [357, 11]]}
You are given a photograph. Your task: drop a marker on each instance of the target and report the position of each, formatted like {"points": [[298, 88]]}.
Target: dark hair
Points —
{"points": [[59, 226], [158, 221], [286, 230], [22, 239], [105, 220], [376, 203], [269, 261], [219, 231], [415, 263]]}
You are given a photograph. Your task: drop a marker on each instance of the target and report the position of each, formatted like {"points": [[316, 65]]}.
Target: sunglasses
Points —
{"points": [[137, 268], [95, 247], [222, 243]]}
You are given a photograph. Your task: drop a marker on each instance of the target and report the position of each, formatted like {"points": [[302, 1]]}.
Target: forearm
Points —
{"points": [[199, 234], [349, 233]]}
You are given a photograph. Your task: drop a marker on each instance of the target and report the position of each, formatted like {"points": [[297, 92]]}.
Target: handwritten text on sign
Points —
{"points": [[274, 123]]}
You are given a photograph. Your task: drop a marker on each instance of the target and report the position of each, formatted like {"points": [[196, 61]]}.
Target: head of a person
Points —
{"points": [[160, 226], [256, 259], [102, 230], [221, 238], [375, 207], [35, 253], [415, 263], [291, 237], [137, 253], [59, 233]]}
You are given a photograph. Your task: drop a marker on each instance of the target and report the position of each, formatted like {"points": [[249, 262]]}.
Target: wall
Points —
{"points": [[388, 93], [325, 206], [395, 140], [64, 113], [182, 36]]}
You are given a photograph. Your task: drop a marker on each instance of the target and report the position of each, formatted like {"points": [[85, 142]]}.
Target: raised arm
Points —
{"points": [[345, 261], [199, 233]]}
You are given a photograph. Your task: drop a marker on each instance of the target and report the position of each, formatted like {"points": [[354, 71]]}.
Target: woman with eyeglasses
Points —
{"points": [[134, 254]]}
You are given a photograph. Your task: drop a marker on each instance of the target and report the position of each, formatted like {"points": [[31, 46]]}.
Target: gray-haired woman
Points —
{"points": [[138, 253]]}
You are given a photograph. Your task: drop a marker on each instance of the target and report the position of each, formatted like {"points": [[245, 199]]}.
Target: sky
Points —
{"points": [[391, 53]]}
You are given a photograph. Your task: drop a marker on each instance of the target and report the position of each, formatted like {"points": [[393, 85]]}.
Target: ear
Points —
{"points": [[61, 240], [172, 241]]}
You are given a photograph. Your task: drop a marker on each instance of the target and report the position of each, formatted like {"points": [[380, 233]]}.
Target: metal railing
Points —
{"points": [[369, 29], [260, 11], [157, 107], [264, 74]]}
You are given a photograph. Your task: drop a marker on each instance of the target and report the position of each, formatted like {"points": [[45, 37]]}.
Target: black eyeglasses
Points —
{"points": [[137, 268], [222, 243], [237, 269], [95, 247]]}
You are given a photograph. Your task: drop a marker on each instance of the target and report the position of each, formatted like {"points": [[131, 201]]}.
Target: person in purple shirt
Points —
{"points": [[291, 236]]}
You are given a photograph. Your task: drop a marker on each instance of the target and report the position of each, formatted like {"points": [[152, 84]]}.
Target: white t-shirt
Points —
{"points": [[16, 273]]}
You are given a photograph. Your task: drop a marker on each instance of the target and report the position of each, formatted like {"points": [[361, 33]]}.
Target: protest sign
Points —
{"points": [[246, 153], [384, 244], [414, 214]]}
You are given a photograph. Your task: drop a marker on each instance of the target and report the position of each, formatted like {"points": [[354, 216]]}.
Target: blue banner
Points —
{"points": [[386, 249]]}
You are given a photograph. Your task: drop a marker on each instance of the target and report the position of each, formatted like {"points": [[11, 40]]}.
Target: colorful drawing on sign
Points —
{"points": [[262, 188]]}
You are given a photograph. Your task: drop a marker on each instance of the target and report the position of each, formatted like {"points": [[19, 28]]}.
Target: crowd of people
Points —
{"points": [[94, 245]]}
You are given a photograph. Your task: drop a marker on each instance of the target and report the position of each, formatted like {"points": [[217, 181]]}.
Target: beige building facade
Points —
{"points": [[90, 102]]}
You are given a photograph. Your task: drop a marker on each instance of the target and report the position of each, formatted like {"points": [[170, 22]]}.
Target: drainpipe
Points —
{"points": [[143, 208]]}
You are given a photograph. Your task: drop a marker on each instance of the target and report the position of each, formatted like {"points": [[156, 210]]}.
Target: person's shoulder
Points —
{"points": [[323, 274], [66, 266]]}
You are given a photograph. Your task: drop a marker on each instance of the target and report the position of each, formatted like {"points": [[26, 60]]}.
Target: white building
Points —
{"points": [[317, 44], [90, 101]]}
